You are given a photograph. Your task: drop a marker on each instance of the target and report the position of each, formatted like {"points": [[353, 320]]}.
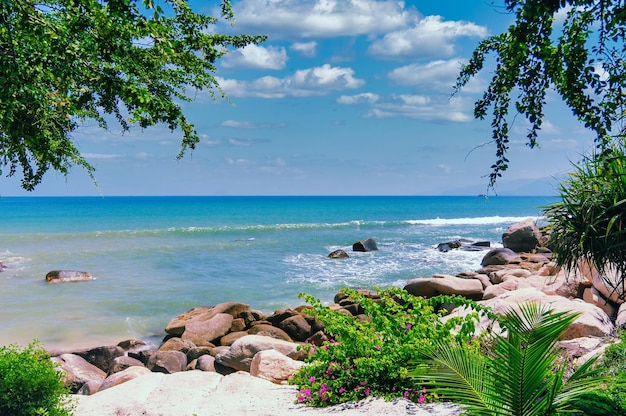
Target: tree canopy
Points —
{"points": [[66, 61], [580, 57]]}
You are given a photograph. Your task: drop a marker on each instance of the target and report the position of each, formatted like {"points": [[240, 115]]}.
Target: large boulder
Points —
{"points": [[123, 376], [608, 284], [102, 357], [445, 285], [78, 372], [239, 356], [522, 237], [167, 362], [296, 327], [58, 276], [274, 366], [365, 245], [269, 331], [177, 325], [498, 256], [592, 322], [206, 331]]}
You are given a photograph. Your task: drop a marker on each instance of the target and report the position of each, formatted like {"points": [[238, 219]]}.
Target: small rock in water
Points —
{"points": [[57, 276]]}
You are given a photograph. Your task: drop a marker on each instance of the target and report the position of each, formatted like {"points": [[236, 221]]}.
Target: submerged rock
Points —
{"points": [[57, 276]]}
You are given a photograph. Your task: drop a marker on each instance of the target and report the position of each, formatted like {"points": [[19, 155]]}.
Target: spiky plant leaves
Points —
{"points": [[518, 374], [589, 222]]}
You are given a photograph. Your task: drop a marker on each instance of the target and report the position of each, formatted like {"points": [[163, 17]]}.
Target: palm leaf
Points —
{"points": [[519, 376]]}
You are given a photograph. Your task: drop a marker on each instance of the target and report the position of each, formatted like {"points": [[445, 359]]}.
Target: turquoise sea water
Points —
{"points": [[155, 257]]}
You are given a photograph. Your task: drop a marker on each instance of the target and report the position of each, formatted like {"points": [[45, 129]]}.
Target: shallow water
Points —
{"points": [[155, 257]]}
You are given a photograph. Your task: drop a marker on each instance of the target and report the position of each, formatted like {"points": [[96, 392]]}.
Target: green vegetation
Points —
{"points": [[589, 222], [520, 373], [584, 63], [30, 385], [611, 398], [370, 357], [65, 61]]}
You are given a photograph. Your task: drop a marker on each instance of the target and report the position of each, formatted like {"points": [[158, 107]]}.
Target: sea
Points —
{"points": [[155, 257]]}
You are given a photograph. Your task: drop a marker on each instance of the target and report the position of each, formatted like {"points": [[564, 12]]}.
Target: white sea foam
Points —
{"points": [[470, 221]]}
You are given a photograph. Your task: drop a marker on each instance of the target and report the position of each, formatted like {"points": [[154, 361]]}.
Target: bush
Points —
{"points": [[370, 357], [611, 399], [29, 383]]}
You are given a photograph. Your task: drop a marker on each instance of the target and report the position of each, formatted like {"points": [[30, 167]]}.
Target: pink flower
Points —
{"points": [[409, 326], [312, 380], [406, 394], [421, 399], [342, 390], [367, 392], [363, 383]]}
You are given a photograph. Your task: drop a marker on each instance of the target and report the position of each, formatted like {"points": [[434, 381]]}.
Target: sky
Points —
{"points": [[345, 97]]}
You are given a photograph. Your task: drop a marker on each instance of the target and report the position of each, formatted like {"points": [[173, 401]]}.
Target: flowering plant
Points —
{"points": [[369, 357]]}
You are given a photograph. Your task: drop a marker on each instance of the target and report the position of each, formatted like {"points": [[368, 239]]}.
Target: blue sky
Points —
{"points": [[346, 97]]}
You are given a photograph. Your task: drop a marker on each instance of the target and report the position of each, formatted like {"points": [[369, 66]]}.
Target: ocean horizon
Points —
{"points": [[155, 257]]}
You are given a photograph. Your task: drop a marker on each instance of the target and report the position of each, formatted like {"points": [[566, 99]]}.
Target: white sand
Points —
{"points": [[205, 393]]}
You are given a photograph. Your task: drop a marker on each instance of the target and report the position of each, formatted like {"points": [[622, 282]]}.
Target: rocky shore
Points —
{"points": [[231, 359]]}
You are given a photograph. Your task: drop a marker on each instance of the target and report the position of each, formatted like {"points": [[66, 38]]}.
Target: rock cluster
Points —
{"points": [[231, 337], [224, 338]]}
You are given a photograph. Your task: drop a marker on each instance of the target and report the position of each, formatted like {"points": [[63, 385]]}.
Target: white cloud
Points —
{"points": [[307, 49], [100, 156], [422, 108], [429, 37], [251, 125], [303, 83], [367, 97], [322, 18], [257, 57], [437, 75]]}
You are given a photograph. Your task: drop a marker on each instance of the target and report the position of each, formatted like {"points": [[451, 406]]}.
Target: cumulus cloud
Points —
{"points": [[367, 97], [322, 18], [307, 49], [428, 37], [303, 83], [256, 57]]}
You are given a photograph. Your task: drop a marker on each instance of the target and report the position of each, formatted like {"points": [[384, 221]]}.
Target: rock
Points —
{"points": [[128, 374], [239, 355], [206, 363], [296, 327], [522, 237], [228, 339], [338, 254], [239, 324], [273, 366], [498, 256], [177, 325], [620, 321], [57, 276], [177, 344], [269, 331], [609, 284], [101, 357], [447, 246], [167, 362], [593, 321], [78, 371], [122, 363], [365, 245], [198, 352], [445, 285], [592, 296], [206, 331]]}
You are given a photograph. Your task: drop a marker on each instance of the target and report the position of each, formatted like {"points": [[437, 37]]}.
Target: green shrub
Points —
{"points": [[370, 357], [29, 383], [611, 399]]}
